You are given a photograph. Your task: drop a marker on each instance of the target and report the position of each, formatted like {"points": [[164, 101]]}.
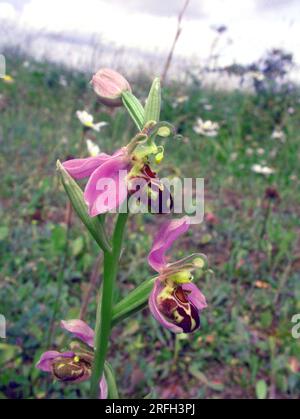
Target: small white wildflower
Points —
{"points": [[88, 121], [233, 156], [63, 81], [262, 170], [179, 101], [278, 134], [206, 128], [257, 75], [260, 151], [182, 99], [291, 111], [8, 79], [208, 107], [249, 151], [93, 149]]}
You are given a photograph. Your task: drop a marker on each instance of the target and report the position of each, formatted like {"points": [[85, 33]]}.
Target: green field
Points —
{"points": [[245, 348]]}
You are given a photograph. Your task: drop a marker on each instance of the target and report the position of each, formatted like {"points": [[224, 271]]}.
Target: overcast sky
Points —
{"points": [[149, 25]]}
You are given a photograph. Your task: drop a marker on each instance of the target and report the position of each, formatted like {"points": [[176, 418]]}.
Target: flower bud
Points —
{"points": [[109, 85]]}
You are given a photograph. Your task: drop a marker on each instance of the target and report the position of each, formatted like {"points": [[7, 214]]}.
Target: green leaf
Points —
{"points": [[58, 238], [150, 395], [111, 382], [266, 318], [77, 246], [134, 108], [133, 302], [216, 386], [261, 390], [153, 104], [8, 352], [4, 232], [75, 195]]}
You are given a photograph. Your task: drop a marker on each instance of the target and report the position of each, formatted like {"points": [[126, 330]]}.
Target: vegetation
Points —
{"points": [[251, 235]]}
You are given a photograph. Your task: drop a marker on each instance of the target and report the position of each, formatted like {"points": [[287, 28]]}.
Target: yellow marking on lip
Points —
{"points": [[76, 359]]}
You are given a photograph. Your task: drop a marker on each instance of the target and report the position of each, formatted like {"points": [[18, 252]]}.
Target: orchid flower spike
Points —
{"points": [[74, 366], [175, 302]]}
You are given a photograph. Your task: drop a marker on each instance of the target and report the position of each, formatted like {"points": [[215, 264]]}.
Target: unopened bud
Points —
{"points": [[109, 86]]}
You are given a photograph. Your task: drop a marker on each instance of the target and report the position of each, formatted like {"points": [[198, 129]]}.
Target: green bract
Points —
{"points": [[75, 194]]}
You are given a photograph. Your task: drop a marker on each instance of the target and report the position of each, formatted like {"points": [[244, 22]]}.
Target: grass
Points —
{"points": [[245, 342]]}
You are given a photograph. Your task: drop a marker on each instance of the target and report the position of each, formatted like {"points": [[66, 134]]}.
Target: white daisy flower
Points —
{"points": [[262, 170], [206, 128], [88, 121], [278, 134], [93, 149]]}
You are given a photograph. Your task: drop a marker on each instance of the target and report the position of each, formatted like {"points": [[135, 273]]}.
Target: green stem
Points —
{"points": [[265, 220], [105, 304]]}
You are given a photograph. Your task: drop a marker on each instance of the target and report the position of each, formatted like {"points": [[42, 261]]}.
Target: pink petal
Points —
{"points": [[82, 168], [106, 189], [155, 311], [164, 240], [103, 389], [45, 362], [81, 330], [196, 297]]}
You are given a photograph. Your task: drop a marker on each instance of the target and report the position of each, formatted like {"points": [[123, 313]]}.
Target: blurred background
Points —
{"points": [[230, 74]]}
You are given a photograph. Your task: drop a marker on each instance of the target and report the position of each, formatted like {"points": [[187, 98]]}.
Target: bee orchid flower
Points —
{"points": [[104, 171], [111, 177], [73, 366], [175, 302]]}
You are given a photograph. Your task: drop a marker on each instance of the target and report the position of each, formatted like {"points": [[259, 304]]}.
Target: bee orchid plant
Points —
{"points": [[173, 299]]}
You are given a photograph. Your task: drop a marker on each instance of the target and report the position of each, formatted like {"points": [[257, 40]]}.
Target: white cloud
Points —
{"points": [[7, 11], [228, 10]]}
